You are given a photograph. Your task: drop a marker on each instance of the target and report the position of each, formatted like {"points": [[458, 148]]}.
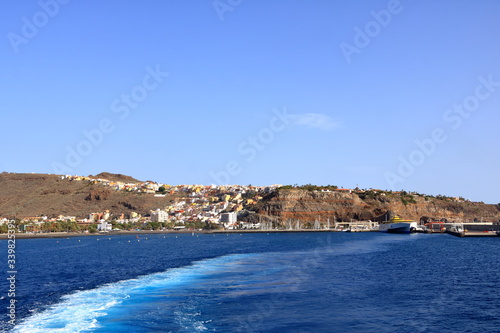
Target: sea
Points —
{"points": [[255, 282]]}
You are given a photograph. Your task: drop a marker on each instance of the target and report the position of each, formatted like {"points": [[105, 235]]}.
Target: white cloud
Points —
{"points": [[315, 121]]}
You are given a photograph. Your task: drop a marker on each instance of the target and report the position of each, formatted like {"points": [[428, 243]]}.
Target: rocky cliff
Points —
{"points": [[335, 205]]}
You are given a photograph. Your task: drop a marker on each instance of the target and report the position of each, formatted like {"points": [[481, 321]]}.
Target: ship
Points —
{"points": [[399, 226]]}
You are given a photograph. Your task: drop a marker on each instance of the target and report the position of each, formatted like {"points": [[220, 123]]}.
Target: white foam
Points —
{"points": [[81, 310]]}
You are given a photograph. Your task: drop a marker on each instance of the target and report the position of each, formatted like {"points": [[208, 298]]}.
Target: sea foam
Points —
{"points": [[82, 310]]}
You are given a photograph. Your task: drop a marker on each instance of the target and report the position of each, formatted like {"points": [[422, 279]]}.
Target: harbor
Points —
{"points": [[395, 225]]}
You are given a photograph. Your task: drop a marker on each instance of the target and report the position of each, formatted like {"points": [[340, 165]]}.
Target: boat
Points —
{"points": [[399, 226]]}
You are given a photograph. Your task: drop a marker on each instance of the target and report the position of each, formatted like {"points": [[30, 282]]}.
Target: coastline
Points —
{"points": [[81, 234], [149, 232]]}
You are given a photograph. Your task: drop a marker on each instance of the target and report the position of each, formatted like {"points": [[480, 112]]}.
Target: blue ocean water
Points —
{"points": [[276, 282]]}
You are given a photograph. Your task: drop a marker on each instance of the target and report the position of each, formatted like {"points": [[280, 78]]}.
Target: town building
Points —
{"points": [[159, 216], [228, 218], [104, 226]]}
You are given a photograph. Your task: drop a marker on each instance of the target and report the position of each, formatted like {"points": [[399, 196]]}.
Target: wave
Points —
{"points": [[82, 310]]}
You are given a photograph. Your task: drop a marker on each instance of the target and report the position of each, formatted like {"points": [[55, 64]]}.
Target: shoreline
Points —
{"points": [[146, 232], [81, 234]]}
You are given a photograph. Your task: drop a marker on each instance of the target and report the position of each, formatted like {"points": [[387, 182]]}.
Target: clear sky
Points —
{"points": [[380, 94]]}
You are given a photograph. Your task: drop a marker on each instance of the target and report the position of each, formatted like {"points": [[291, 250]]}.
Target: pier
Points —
{"points": [[473, 229], [474, 233]]}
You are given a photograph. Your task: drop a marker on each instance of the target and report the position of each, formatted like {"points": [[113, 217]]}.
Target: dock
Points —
{"points": [[482, 229], [473, 233]]}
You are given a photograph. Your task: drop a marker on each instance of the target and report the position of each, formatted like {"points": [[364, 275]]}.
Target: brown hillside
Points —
{"points": [[25, 195], [115, 177]]}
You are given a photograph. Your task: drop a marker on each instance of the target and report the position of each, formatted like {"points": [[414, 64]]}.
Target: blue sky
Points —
{"points": [[257, 92]]}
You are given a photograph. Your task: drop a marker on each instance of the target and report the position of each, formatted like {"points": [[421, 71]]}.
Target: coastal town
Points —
{"points": [[194, 207], [227, 207]]}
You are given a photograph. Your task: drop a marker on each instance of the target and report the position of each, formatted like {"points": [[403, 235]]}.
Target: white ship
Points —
{"points": [[399, 226]]}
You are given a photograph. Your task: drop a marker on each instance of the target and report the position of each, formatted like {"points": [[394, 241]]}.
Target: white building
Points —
{"points": [[104, 226], [229, 218], [159, 216], [249, 225]]}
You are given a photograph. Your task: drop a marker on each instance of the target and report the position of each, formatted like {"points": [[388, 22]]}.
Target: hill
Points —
{"points": [[29, 195], [115, 177], [24, 195]]}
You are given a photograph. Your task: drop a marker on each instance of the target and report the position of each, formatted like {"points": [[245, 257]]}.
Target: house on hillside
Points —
{"points": [[104, 226]]}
